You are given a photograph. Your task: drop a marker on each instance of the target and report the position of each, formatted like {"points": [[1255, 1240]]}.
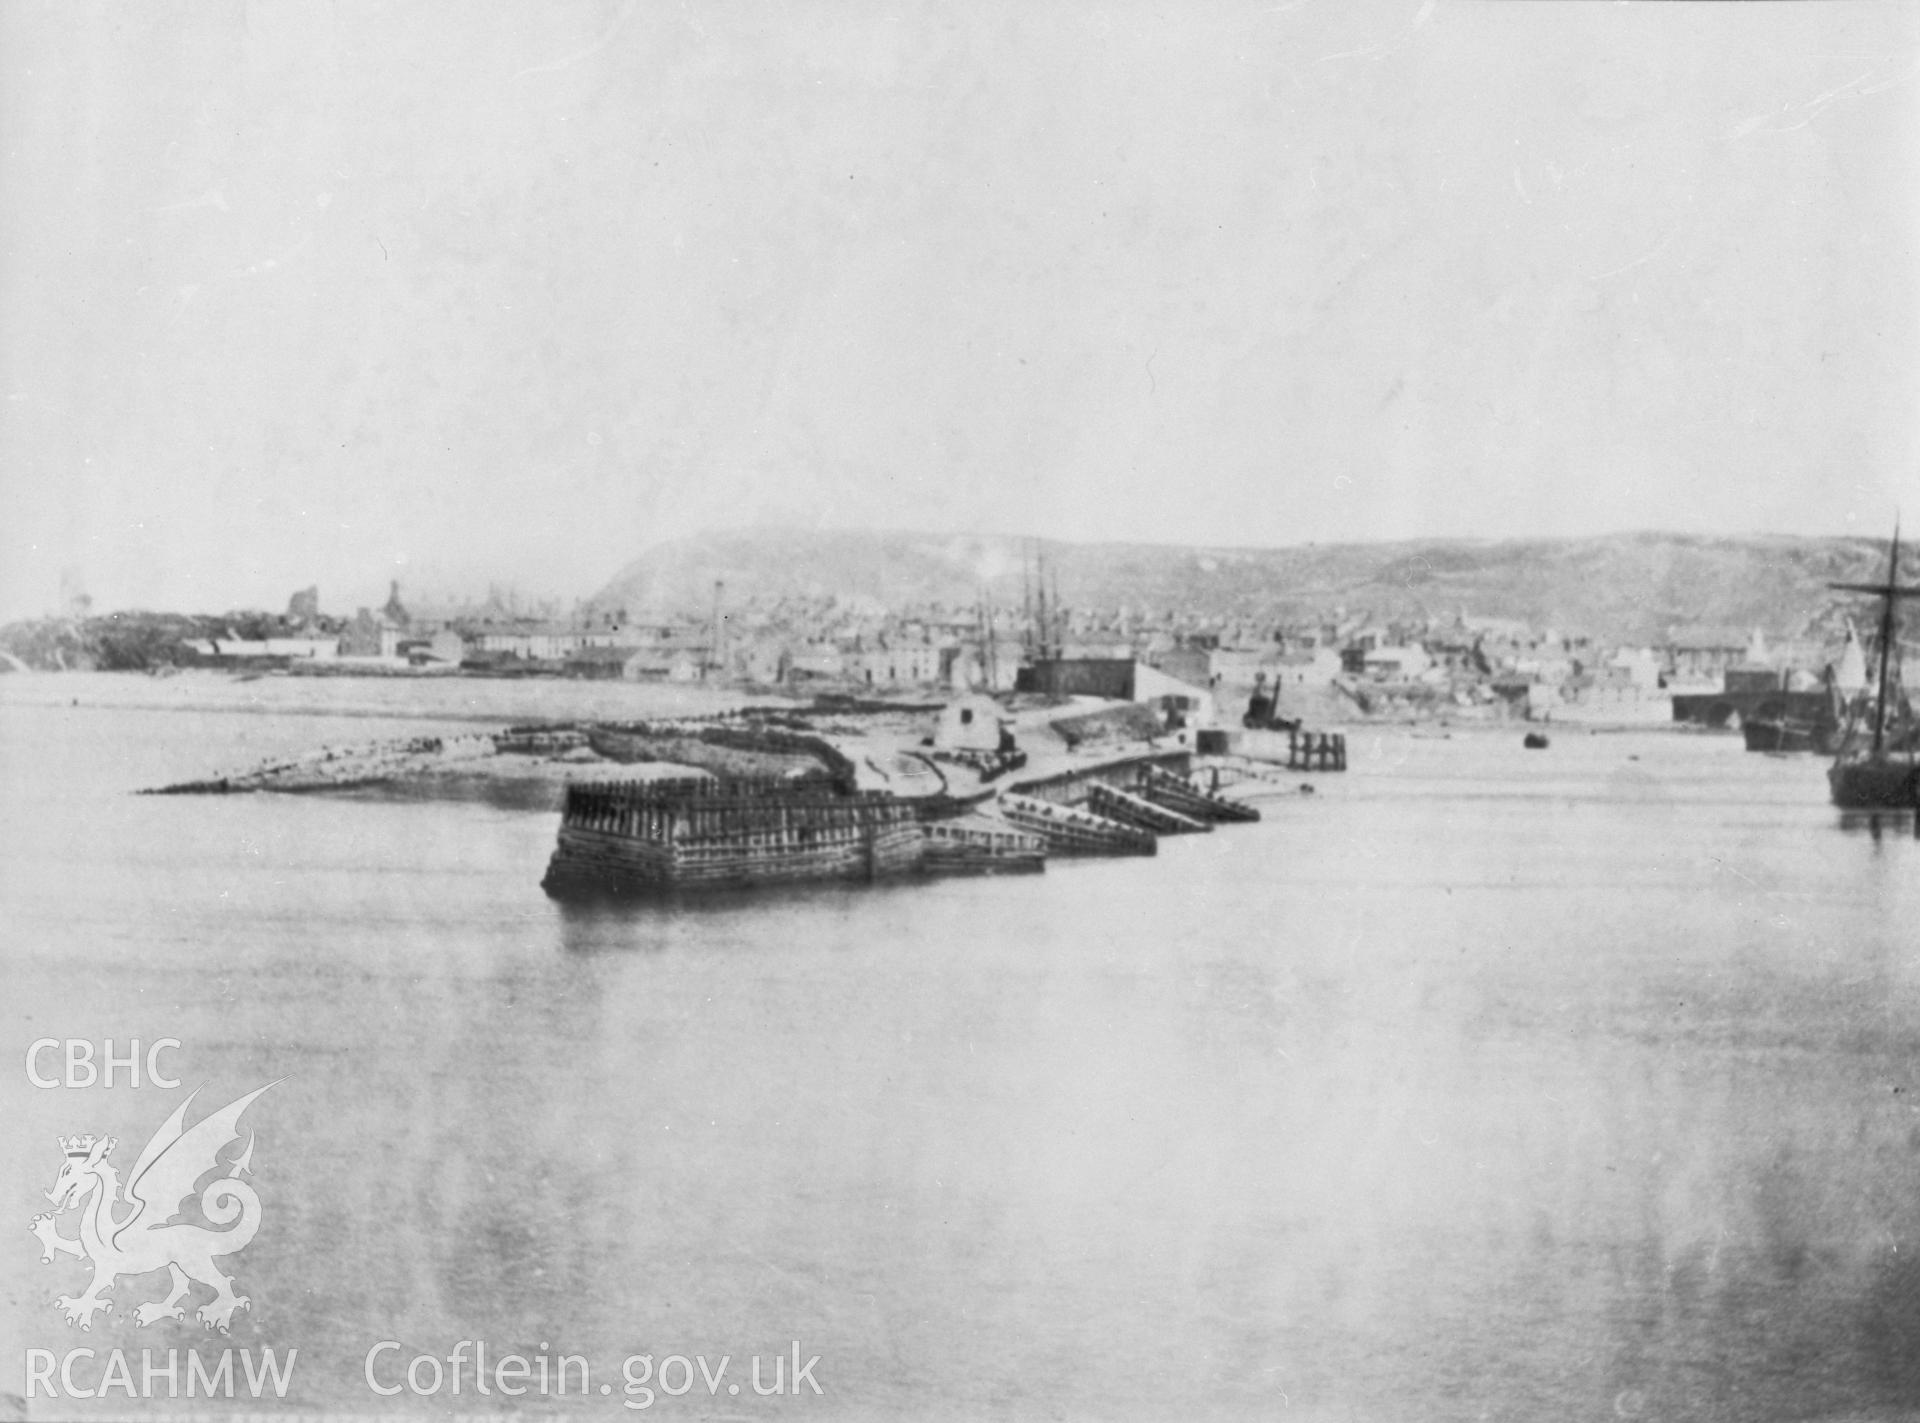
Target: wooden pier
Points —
{"points": [[981, 845], [1217, 773], [709, 834], [1133, 810], [1181, 794], [1104, 808], [1295, 749], [1123, 773], [1316, 751], [539, 740], [1069, 830]]}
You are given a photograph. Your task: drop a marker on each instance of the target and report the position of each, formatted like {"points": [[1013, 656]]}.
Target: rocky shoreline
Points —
{"points": [[530, 765]]}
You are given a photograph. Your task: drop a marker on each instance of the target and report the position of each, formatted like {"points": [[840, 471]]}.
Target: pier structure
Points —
{"points": [[732, 752], [700, 834], [1130, 809], [981, 844], [1123, 773], [1217, 773], [1162, 778], [1108, 807], [1186, 796], [707, 832], [1069, 830], [1316, 751], [1297, 749]]}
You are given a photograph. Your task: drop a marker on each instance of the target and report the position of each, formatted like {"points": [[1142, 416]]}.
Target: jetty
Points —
{"points": [[707, 833], [1069, 830], [728, 802], [1119, 806], [686, 834], [696, 833], [1164, 778], [531, 765], [979, 844], [1295, 748], [1131, 809], [1185, 795]]}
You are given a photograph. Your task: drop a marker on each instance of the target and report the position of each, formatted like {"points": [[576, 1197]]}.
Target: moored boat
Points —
{"points": [[1878, 767], [1797, 723], [1886, 782], [1763, 733]]}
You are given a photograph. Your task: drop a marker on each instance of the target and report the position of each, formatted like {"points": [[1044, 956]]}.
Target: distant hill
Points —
{"points": [[1630, 588]]}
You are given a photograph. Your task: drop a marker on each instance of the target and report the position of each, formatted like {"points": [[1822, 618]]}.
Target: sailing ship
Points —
{"points": [[1878, 767]]}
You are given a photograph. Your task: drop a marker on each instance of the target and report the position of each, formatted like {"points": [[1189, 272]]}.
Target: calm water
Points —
{"points": [[1481, 1084]]}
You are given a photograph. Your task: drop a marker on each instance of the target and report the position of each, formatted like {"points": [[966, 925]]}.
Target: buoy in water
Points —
{"points": [[1535, 741]]}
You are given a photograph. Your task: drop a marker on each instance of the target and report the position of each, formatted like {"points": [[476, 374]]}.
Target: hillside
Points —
{"points": [[1616, 587]]}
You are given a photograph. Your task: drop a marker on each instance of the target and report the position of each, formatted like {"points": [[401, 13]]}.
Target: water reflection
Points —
{"points": [[1877, 823], [1577, 1085]]}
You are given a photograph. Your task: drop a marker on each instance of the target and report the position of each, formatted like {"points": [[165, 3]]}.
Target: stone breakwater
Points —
{"points": [[533, 764], [344, 767]]}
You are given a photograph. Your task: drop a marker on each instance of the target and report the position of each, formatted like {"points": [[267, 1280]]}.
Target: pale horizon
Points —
{"points": [[301, 297], [434, 589]]}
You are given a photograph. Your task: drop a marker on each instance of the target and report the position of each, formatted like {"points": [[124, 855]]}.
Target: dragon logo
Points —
{"points": [[140, 1235]]}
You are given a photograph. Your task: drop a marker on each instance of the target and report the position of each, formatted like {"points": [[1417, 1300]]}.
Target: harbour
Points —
{"points": [[758, 796], [1309, 1061], [1018, 713]]}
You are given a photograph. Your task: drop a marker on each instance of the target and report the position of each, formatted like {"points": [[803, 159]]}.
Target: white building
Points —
{"points": [[895, 666], [1195, 704], [1636, 667], [969, 724], [1397, 664]]}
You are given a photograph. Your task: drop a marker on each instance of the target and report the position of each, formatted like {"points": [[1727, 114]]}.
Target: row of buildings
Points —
{"points": [[862, 649], [1460, 660]]}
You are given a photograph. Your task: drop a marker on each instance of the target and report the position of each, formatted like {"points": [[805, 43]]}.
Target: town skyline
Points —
{"points": [[1636, 588], [452, 585]]}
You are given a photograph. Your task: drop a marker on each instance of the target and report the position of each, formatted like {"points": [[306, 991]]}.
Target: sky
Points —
{"points": [[300, 293]]}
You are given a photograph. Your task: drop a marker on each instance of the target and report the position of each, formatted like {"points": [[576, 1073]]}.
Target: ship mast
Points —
{"points": [[1887, 592], [1026, 603], [1886, 643]]}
